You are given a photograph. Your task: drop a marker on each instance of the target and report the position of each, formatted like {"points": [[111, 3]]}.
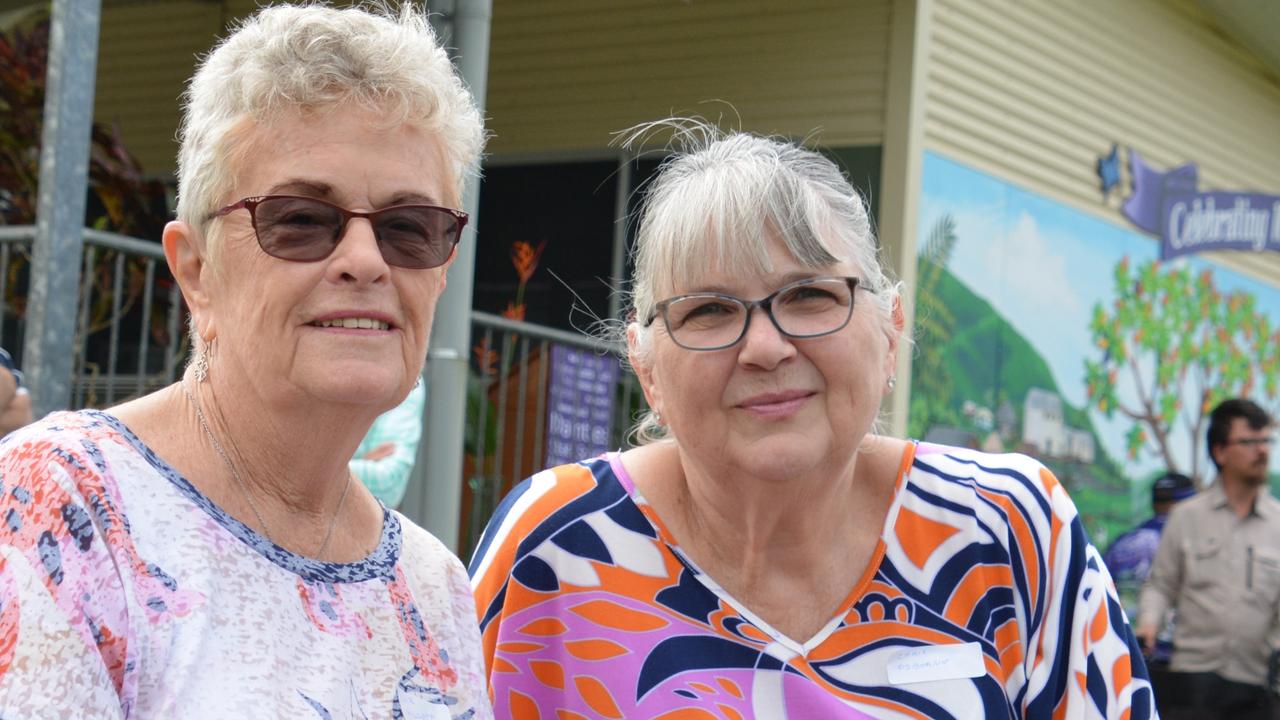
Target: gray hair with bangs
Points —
{"points": [[717, 201], [309, 58]]}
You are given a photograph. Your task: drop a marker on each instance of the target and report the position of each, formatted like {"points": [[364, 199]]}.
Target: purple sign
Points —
{"points": [[1167, 204], [579, 404]]}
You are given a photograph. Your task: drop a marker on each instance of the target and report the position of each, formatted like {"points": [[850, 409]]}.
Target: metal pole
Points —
{"points": [[618, 274], [64, 170], [434, 497]]}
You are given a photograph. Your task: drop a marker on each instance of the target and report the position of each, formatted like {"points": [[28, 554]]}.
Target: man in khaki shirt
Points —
{"points": [[1218, 566]]}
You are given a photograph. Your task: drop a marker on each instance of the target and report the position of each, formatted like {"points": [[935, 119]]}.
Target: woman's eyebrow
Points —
{"points": [[324, 191], [300, 186], [411, 198]]}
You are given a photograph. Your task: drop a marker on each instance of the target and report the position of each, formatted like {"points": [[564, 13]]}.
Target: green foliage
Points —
{"points": [[121, 198], [987, 361], [23, 52], [931, 384], [1171, 334]]}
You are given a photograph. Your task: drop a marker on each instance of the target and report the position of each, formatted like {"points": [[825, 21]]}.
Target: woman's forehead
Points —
{"points": [[722, 271], [749, 285]]}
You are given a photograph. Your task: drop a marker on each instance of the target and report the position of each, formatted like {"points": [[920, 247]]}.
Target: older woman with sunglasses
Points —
{"points": [[764, 553], [203, 551]]}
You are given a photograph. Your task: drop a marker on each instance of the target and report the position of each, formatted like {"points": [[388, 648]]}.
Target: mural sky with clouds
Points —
{"points": [[1019, 286]]}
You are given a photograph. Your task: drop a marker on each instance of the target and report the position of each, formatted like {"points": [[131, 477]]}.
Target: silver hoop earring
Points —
{"points": [[893, 382], [417, 382]]}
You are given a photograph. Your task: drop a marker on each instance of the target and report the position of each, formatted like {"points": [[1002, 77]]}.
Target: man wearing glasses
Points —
{"points": [[1218, 567]]}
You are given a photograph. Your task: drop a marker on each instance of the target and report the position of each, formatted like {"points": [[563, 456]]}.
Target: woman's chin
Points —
{"points": [[780, 456], [381, 389]]}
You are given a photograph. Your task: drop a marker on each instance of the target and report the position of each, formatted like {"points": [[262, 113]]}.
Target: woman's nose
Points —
{"points": [[763, 344], [358, 255]]}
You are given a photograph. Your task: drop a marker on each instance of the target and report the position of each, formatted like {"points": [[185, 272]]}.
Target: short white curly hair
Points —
{"points": [[309, 57]]}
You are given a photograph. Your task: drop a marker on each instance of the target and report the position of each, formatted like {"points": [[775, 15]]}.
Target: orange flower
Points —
{"points": [[525, 258], [514, 311], [485, 358]]}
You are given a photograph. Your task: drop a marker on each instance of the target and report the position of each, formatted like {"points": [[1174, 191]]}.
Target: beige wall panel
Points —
{"points": [[564, 75], [242, 8], [146, 52], [1035, 91]]}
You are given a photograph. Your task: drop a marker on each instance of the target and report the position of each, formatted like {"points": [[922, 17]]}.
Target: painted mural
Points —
{"points": [[1043, 330]]}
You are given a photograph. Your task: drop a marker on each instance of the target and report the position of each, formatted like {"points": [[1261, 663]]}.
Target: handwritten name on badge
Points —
{"points": [[936, 662]]}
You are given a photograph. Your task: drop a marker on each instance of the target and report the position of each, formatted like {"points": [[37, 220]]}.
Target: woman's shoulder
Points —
{"points": [[1007, 483], [73, 440], [548, 502], [583, 485], [975, 466], [63, 427], [1009, 498], [419, 548]]}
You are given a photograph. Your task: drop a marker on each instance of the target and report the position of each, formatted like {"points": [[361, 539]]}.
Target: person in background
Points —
{"points": [[15, 401], [1218, 568], [765, 553], [1130, 555], [204, 551], [387, 453]]}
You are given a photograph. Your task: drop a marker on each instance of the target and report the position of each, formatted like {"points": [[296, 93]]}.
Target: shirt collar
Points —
{"points": [[1264, 505], [1217, 494]]}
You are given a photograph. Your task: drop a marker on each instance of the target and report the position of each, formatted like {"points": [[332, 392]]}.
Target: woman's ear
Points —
{"points": [[191, 269], [897, 324], [644, 372]]}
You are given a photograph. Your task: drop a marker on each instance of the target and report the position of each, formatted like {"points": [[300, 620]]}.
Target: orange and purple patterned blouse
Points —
{"points": [[984, 599]]}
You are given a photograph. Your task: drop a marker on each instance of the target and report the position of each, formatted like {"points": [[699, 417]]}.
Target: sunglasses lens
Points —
{"points": [[297, 228], [303, 229], [416, 236]]}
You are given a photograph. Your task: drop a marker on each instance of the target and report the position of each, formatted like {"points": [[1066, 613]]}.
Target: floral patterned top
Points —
{"points": [[984, 599], [126, 593]]}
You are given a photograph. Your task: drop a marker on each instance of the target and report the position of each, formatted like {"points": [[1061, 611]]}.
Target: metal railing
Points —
{"points": [[508, 407], [129, 332], [131, 340]]}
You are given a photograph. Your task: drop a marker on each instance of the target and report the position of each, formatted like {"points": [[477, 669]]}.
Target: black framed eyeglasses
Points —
{"points": [[807, 308], [1253, 442], [306, 229]]}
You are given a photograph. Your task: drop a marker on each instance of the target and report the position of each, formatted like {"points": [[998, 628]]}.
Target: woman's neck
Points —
{"points": [[288, 462], [796, 520], [296, 453], [791, 551]]}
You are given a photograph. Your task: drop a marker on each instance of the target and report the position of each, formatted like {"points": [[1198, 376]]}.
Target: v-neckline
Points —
{"points": [[796, 647]]}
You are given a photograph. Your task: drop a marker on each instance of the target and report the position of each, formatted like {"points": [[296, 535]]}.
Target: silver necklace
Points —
{"points": [[244, 489]]}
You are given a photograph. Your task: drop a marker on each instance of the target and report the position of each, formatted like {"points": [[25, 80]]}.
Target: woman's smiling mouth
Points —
{"points": [[776, 405], [352, 323]]}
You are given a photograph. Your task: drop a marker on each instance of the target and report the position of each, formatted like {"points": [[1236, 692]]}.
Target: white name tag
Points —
{"points": [[936, 662]]}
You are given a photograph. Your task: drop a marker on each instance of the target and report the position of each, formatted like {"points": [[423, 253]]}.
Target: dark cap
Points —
{"points": [[1172, 487]]}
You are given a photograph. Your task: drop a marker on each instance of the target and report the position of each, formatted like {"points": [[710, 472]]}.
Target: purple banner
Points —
{"points": [[1167, 204], [1219, 221], [579, 404]]}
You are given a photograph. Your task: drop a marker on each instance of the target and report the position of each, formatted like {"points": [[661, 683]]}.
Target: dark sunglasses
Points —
{"points": [[305, 229]]}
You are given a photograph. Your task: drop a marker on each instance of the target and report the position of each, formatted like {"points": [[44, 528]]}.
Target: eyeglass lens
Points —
{"points": [[306, 229], [806, 309]]}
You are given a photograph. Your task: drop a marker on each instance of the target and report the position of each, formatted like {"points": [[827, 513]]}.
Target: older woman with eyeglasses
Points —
{"points": [[203, 551], [764, 553]]}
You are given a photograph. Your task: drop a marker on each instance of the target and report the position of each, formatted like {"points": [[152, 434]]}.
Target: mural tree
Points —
{"points": [[1173, 346], [934, 321]]}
